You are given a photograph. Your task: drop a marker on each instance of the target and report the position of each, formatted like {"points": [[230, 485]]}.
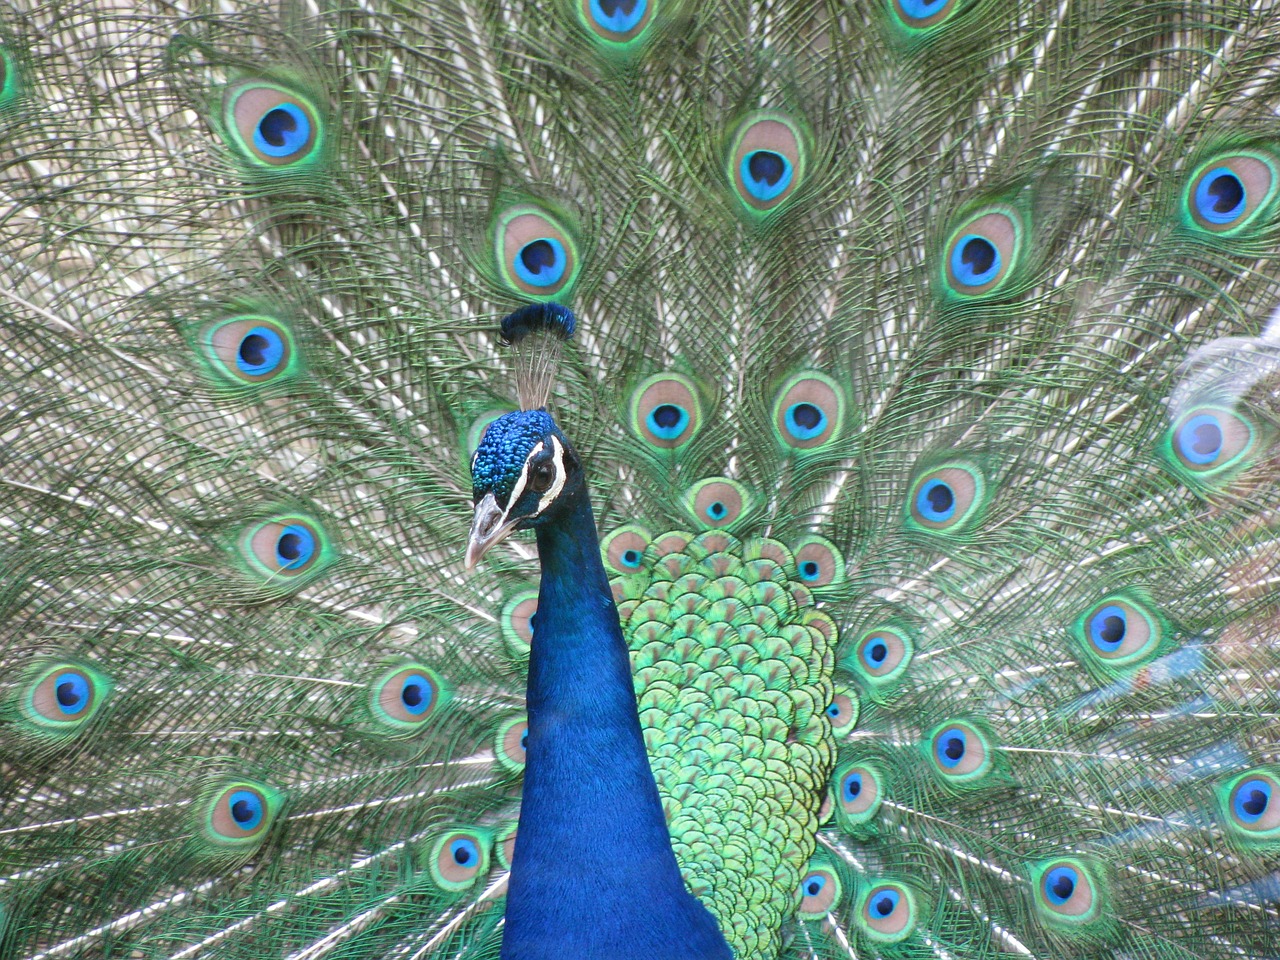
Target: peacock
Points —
{"points": [[639, 479]]}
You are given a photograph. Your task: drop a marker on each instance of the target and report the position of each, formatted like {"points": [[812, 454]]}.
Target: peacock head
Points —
{"points": [[522, 474]]}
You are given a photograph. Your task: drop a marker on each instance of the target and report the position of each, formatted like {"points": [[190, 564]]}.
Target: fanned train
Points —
{"points": [[889, 390]]}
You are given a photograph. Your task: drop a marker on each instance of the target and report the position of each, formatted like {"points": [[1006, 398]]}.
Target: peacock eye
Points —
{"points": [[459, 858], [271, 125], [1069, 893], [1249, 808], [887, 912], [1226, 193], [544, 474], [767, 161], [238, 815], [537, 256]]}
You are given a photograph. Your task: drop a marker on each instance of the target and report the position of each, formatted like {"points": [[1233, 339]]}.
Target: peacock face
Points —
{"points": [[521, 470]]}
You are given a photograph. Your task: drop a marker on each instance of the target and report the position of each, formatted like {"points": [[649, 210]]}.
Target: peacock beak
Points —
{"points": [[489, 526]]}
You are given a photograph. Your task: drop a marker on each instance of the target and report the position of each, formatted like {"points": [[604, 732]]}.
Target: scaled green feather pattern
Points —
{"points": [[733, 671]]}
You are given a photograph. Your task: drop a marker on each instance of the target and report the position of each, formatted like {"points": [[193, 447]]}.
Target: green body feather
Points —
{"points": [[924, 384]]}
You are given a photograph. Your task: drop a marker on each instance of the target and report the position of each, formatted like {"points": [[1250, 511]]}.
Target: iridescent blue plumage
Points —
{"points": [[593, 866]]}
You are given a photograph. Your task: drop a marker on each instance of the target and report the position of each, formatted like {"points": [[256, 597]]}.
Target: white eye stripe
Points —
{"points": [[557, 459], [522, 481]]}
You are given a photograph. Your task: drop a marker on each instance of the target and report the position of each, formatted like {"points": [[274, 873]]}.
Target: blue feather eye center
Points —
{"points": [[1220, 196], [883, 903], [936, 501], [924, 13], [541, 262], [71, 691], [295, 547], [975, 260], [1200, 439], [1107, 628], [814, 884], [852, 786], [416, 694], [716, 510], [950, 747], [766, 174], [667, 421], [246, 808], [1251, 800], [631, 558], [810, 570], [261, 351], [282, 131], [805, 421], [875, 652], [464, 852], [618, 16], [1060, 884]]}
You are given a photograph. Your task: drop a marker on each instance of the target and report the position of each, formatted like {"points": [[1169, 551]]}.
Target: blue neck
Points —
{"points": [[594, 875]]}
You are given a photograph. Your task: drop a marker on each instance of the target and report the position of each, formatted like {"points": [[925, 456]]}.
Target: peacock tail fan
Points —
{"points": [[925, 379]]}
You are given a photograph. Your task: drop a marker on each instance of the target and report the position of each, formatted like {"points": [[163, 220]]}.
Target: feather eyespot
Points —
{"points": [[537, 257], [818, 563], [767, 161], [665, 411], [286, 550], [858, 794], [843, 712], [947, 499], [1249, 806], [271, 126], [62, 698], [1068, 893], [459, 858], [288, 546], [1120, 631], [982, 253], [923, 14], [881, 656], [820, 891], [238, 815], [887, 912], [517, 622], [962, 754], [250, 349], [718, 502], [510, 743], [624, 548], [407, 696], [1228, 192], [1066, 889], [808, 412], [1207, 441], [617, 22]]}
